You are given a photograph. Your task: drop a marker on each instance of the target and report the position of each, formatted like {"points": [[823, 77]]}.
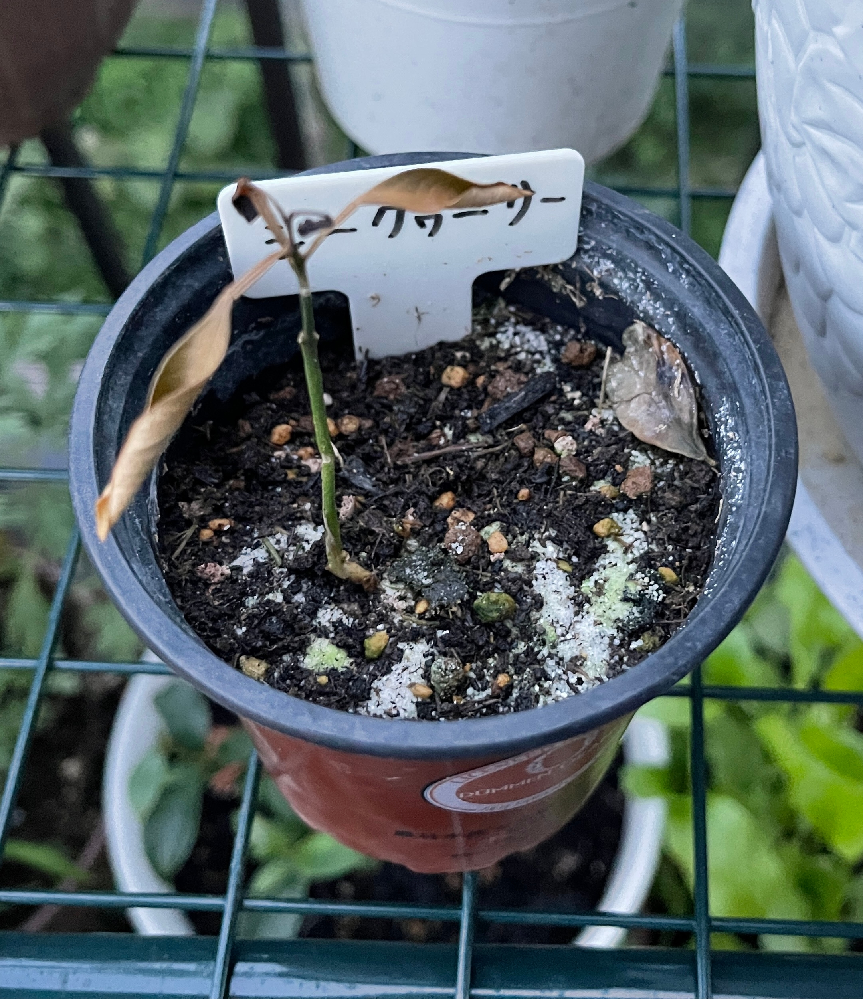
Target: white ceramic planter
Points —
{"points": [[137, 726], [825, 529], [490, 76], [809, 63]]}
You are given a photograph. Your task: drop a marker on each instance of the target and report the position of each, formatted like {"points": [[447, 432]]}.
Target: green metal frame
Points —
{"points": [[124, 965]]}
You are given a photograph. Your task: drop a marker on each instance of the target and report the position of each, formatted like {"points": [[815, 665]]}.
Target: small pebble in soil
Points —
{"points": [[573, 467], [254, 667], [280, 434], [578, 353], [421, 691], [638, 481], [446, 501], [463, 542], [348, 424], [497, 543], [455, 376], [206, 534], [543, 456], [523, 495], [501, 682], [608, 527], [668, 574], [375, 645], [524, 442], [494, 606]]}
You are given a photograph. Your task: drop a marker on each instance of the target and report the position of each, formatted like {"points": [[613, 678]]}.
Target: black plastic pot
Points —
{"points": [[645, 268]]}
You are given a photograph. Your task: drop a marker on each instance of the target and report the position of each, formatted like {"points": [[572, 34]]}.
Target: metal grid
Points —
{"points": [[130, 966]]}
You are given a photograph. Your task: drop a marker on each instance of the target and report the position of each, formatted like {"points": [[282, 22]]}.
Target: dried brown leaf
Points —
{"points": [[652, 395], [181, 376], [425, 191]]}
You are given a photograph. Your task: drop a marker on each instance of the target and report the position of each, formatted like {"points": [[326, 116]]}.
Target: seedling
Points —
{"points": [[186, 368]]}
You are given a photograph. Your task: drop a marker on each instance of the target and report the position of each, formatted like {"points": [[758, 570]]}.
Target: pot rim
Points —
{"points": [[498, 736], [629, 877]]}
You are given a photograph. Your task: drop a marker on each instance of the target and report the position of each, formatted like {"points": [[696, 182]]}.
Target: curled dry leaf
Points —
{"points": [[426, 191], [652, 393], [179, 380]]}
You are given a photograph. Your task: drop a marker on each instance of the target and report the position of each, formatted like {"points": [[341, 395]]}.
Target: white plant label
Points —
{"points": [[408, 277]]}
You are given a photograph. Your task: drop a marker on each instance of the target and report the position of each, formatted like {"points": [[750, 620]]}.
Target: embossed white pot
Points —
{"points": [[137, 726], [809, 63], [491, 76]]}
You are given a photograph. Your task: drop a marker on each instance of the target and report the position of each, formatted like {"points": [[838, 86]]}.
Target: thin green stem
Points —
{"points": [[337, 561], [308, 341]]}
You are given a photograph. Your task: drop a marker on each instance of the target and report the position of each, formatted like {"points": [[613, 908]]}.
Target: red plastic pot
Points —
{"points": [[455, 795]]}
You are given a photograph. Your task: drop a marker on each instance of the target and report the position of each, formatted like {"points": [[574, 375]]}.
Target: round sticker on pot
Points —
{"points": [[517, 781]]}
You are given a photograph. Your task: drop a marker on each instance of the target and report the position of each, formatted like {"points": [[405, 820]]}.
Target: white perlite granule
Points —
{"points": [[331, 615], [302, 539], [529, 343], [588, 639], [391, 696]]}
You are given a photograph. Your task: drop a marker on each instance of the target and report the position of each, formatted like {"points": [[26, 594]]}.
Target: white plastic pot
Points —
{"points": [[809, 66], [490, 76], [828, 507], [137, 726]]}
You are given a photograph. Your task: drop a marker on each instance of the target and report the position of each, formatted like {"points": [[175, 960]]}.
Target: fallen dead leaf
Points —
{"points": [[652, 395], [179, 379]]}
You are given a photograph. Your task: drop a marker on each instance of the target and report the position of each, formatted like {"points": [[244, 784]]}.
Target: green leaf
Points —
{"points": [[769, 623], [646, 782], [147, 781], [747, 875], [829, 800], [272, 801], [172, 827], [26, 612], [847, 672], [269, 839], [740, 768], [840, 749], [736, 664], [673, 711], [185, 713], [278, 878], [43, 858], [235, 749], [320, 858], [817, 628]]}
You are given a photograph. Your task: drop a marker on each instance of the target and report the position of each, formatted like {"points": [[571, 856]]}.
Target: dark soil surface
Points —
{"points": [[435, 477], [567, 873]]}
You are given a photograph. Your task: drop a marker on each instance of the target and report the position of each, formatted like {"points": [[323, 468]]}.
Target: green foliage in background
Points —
{"points": [[167, 790], [785, 781]]}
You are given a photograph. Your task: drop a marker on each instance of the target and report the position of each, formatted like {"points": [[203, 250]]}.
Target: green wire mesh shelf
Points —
{"points": [[98, 965]]}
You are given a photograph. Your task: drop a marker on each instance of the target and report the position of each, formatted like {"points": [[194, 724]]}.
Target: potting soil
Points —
{"points": [[527, 547]]}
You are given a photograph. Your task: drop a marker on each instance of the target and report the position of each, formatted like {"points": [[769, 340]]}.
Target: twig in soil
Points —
{"points": [[184, 540], [436, 406], [604, 378], [383, 443], [450, 450], [271, 548], [507, 408], [89, 855]]}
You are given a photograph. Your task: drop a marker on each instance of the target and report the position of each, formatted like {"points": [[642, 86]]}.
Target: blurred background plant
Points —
{"points": [[195, 759], [785, 780]]}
